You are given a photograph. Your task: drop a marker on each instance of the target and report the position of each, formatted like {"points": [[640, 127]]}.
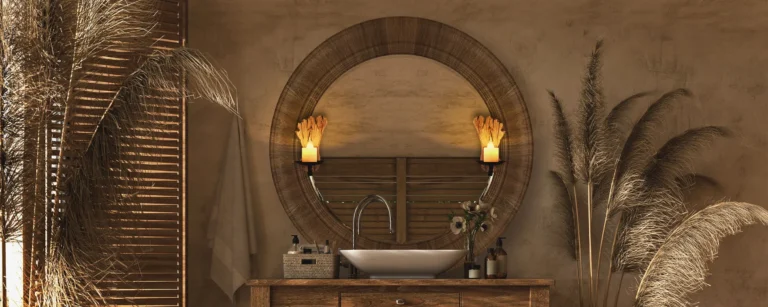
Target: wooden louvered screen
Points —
{"points": [[343, 182], [422, 191], [157, 240]]}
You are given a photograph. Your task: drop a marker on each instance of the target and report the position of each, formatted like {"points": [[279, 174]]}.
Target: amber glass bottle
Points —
{"points": [[490, 265], [501, 260]]}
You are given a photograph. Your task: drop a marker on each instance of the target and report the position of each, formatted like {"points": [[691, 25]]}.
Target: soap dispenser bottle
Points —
{"points": [[490, 265], [501, 259], [295, 248]]}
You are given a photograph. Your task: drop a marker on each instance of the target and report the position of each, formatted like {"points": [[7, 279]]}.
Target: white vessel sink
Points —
{"points": [[407, 263]]}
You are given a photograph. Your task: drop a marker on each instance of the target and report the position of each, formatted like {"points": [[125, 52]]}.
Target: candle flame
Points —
{"points": [[490, 145], [310, 145]]}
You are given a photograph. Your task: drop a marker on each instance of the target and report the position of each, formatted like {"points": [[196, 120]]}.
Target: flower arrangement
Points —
{"points": [[474, 218]]}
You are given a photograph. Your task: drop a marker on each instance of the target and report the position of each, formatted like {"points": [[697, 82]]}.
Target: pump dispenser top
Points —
{"points": [[501, 259], [295, 248], [499, 243]]}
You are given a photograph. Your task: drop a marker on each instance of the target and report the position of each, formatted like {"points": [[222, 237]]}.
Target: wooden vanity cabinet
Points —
{"points": [[400, 292]]}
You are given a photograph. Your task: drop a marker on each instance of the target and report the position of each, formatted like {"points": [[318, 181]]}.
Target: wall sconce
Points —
{"points": [[490, 132], [310, 133]]}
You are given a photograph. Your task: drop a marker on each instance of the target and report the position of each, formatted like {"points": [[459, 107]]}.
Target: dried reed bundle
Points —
{"points": [[311, 129], [484, 136], [489, 130], [51, 53], [319, 124], [303, 132]]}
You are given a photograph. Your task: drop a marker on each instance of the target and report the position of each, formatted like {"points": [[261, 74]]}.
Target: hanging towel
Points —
{"points": [[231, 234]]}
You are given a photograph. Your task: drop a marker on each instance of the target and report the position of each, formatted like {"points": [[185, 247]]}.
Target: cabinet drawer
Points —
{"points": [[399, 299], [496, 296]]}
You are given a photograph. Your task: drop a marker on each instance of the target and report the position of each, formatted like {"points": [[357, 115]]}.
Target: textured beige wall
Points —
{"points": [[715, 48]]}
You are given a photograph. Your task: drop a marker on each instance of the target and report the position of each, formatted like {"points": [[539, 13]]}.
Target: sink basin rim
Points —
{"points": [[404, 263]]}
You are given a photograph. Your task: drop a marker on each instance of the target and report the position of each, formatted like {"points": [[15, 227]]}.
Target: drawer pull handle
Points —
{"points": [[400, 301]]}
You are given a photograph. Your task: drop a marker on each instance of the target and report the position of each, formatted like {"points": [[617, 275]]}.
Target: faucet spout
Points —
{"points": [[357, 214]]}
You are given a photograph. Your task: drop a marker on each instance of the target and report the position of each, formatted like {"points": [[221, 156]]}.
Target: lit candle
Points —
{"points": [[309, 154], [490, 153]]}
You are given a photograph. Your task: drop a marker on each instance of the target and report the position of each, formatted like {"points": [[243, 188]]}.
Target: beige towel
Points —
{"points": [[231, 234]]}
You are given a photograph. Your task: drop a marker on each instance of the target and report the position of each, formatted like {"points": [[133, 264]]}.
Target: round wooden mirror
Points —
{"points": [[402, 129], [319, 221]]}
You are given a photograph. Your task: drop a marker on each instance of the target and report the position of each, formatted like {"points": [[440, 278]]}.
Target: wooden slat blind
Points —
{"points": [[344, 182], [157, 241], [432, 189]]}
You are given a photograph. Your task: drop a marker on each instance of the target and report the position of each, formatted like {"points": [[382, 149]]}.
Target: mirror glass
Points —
{"points": [[400, 106], [400, 124]]}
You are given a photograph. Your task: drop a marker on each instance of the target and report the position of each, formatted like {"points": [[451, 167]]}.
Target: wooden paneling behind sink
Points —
{"points": [[422, 192]]}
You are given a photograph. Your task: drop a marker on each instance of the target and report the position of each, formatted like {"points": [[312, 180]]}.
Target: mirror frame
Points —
{"points": [[390, 36]]}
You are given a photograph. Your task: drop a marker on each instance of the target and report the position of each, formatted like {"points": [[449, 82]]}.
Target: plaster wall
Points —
{"points": [[715, 48]]}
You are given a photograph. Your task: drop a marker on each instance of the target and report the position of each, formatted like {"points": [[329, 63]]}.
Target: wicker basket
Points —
{"points": [[311, 266]]}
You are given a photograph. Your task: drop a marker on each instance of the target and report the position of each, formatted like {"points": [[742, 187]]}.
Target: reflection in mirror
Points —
{"points": [[401, 106], [402, 128]]}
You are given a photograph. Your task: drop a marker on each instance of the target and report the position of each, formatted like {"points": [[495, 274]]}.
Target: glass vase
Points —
{"points": [[469, 259]]}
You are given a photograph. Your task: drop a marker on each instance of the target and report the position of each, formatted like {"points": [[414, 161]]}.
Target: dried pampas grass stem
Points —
{"points": [[640, 187], [679, 268]]}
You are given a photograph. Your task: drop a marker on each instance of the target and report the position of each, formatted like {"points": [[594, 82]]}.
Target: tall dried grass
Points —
{"points": [[646, 227]]}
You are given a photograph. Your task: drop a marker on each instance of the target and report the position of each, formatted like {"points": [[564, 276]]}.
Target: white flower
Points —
{"points": [[458, 225], [467, 206], [485, 226], [493, 213]]}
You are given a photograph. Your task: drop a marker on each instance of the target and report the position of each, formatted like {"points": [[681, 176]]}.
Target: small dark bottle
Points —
{"points": [[501, 260], [491, 266]]}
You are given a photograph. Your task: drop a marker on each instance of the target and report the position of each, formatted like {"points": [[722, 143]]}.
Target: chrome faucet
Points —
{"points": [[359, 212]]}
